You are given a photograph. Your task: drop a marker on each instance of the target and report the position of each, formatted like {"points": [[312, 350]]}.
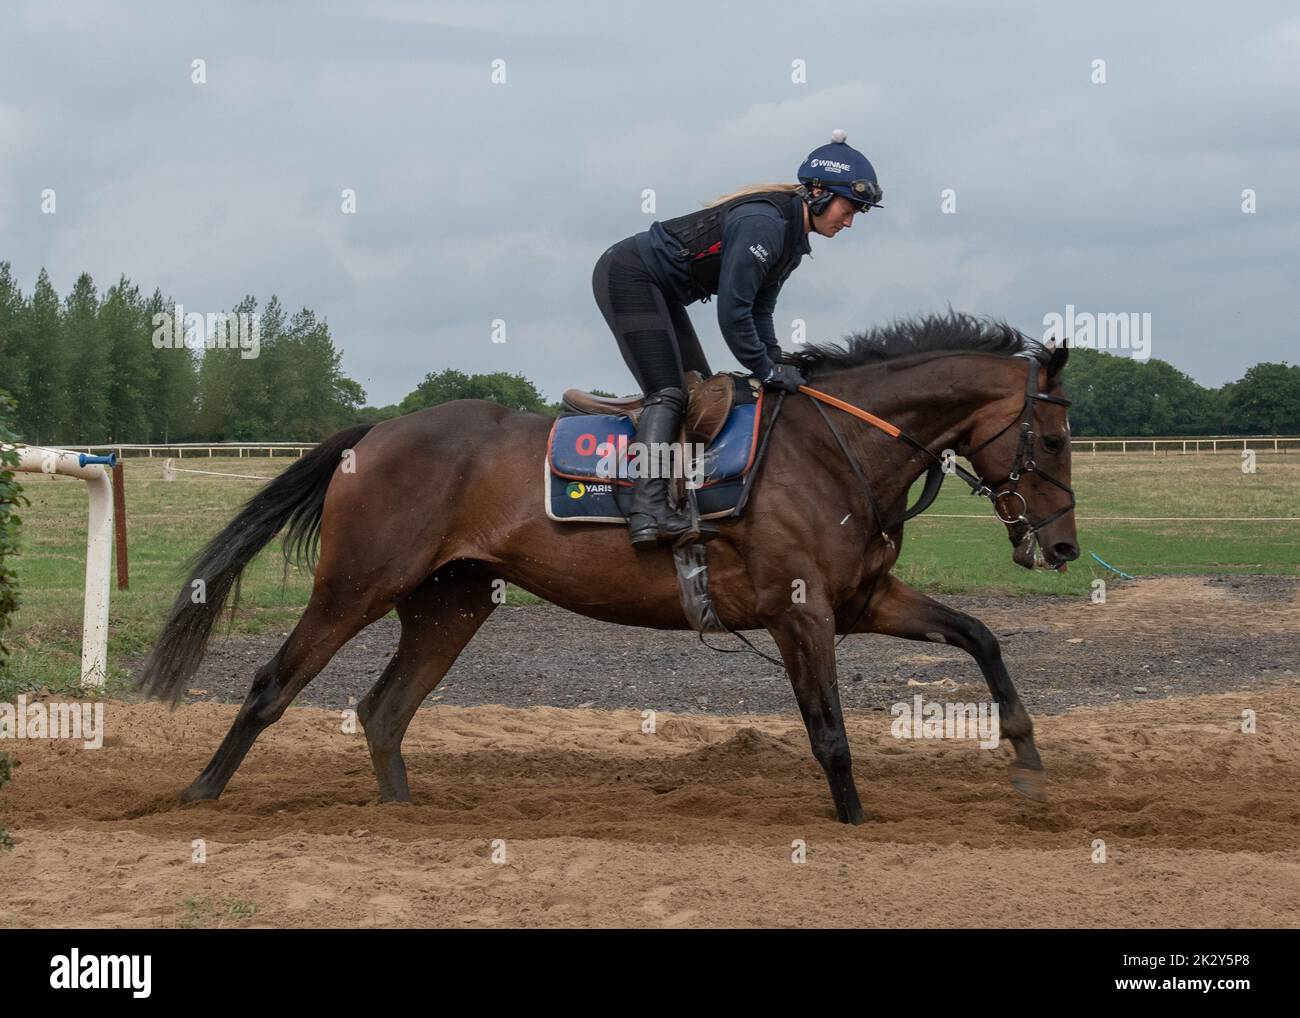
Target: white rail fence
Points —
{"points": [[180, 450], [1205, 444], [81, 462], [1154, 446]]}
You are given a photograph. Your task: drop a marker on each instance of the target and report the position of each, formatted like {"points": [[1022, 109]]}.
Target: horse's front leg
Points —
{"points": [[898, 610], [806, 636]]}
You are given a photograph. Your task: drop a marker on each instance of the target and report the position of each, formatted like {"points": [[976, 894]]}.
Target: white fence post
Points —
{"points": [[99, 546]]}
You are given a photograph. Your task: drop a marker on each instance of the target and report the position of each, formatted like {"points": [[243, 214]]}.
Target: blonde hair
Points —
{"points": [[754, 189]]}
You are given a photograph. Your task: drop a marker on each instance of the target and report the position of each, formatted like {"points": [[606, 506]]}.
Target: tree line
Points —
{"points": [[94, 369], [90, 369], [1119, 396]]}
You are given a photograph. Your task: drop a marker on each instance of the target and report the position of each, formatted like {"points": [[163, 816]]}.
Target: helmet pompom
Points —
{"points": [[838, 136]]}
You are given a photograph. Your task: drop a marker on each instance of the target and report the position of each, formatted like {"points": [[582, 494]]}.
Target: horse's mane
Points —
{"points": [[934, 334]]}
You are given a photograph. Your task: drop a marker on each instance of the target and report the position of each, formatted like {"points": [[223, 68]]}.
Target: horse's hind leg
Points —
{"points": [[898, 610], [438, 619], [332, 618]]}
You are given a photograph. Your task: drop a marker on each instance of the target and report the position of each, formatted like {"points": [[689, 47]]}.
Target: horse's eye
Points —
{"points": [[1053, 444]]}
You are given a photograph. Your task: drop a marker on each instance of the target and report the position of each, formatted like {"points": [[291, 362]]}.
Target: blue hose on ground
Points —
{"points": [[1109, 566]]}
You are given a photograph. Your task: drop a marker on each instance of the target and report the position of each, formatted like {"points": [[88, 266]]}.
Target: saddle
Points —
{"points": [[723, 417], [708, 405]]}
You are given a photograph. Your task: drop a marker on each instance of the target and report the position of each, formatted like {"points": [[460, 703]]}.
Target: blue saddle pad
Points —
{"points": [[582, 452], [580, 445]]}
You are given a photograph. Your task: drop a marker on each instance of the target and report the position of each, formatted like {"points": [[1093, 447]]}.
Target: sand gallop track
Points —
{"points": [[692, 826]]}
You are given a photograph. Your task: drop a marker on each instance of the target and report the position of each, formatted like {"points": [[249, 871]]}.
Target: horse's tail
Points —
{"points": [[294, 499]]}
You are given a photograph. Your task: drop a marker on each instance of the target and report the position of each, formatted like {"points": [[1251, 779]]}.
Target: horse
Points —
{"points": [[429, 512]]}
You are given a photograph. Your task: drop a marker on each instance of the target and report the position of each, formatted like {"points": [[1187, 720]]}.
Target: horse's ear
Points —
{"points": [[1056, 364]]}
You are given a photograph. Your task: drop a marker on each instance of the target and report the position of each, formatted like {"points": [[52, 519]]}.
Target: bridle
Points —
{"points": [[1021, 465], [1003, 501]]}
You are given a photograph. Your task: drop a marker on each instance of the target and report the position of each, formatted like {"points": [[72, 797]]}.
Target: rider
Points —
{"points": [[741, 247]]}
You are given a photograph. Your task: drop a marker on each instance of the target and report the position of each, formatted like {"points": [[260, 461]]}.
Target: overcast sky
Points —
{"points": [[478, 200]]}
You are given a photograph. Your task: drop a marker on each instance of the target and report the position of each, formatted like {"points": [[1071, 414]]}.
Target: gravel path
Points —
{"points": [[1172, 636]]}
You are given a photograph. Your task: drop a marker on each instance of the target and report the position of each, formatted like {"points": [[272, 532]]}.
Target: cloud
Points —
{"points": [[478, 201]]}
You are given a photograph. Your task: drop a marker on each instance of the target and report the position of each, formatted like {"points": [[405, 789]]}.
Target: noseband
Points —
{"points": [[1023, 464]]}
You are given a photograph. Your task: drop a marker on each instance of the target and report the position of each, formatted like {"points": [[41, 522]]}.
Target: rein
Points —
{"points": [[1001, 501]]}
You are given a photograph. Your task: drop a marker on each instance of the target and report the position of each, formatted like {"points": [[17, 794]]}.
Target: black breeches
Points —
{"points": [[655, 336]]}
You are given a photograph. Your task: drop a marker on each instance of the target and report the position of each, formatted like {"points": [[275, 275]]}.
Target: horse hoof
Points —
{"points": [[196, 794], [1029, 783]]}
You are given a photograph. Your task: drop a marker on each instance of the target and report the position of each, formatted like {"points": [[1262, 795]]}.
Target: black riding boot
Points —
{"points": [[650, 518]]}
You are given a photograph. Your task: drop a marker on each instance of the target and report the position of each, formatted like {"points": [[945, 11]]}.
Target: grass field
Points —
{"points": [[949, 555], [169, 521]]}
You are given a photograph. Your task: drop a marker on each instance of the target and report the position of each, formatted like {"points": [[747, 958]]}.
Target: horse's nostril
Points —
{"points": [[1065, 551]]}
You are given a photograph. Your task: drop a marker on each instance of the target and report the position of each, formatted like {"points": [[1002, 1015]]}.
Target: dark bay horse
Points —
{"points": [[427, 513]]}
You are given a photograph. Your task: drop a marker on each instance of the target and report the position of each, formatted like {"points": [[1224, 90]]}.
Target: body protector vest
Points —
{"points": [[700, 236]]}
